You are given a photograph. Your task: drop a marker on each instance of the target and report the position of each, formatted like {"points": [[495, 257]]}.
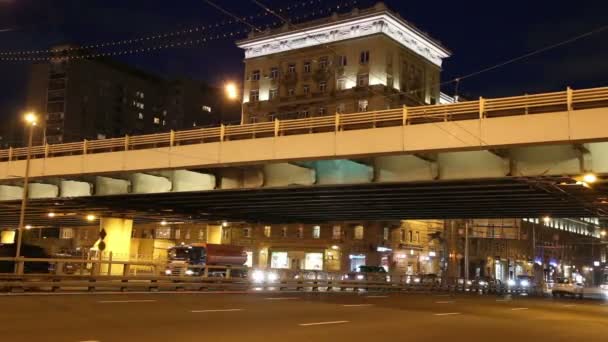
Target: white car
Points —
{"points": [[566, 287]]}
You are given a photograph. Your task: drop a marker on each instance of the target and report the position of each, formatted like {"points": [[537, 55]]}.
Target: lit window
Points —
{"points": [[247, 232], [323, 63], [274, 73], [402, 235], [194, 124], [164, 122], [359, 232], [254, 96], [307, 67], [291, 68], [342, 61], [163, 233], [336, 232], [363, 105], [255, 75], [291, 92], [341, 84], [267, 231], [364, 57], [300, 232], [67, 233], [273, 93], [187, 236], [316, 232], [178, 234], [284, 231], [322, 87], [157, 121], [306, 89], [201, 234], [207, 109], [363, 80], [321, 111], [164, 112], [140, 116], [385, 234], [340, 108]]}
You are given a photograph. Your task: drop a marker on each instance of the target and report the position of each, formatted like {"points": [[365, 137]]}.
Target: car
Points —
{"points": [[522, 284], [368, 273], [567, 287], [486, 283], [430, 279]]}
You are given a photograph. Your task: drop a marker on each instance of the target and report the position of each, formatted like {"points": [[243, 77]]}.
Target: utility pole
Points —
{"points": [[466, 252]]}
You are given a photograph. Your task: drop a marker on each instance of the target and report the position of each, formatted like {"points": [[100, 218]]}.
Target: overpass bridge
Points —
{"points": [[510, 157]]}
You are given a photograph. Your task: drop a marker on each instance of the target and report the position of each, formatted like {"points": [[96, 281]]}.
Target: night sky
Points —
{"points": [[479, 34]]}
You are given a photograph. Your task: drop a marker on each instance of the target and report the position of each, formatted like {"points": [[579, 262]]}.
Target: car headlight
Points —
{"points": [[469, 282], [511, 282], [416, 280], [483, 283], [189, 272], [360, 277], [525, 283], [345, 277], [272, 276], [167, 272], [258, 276]]}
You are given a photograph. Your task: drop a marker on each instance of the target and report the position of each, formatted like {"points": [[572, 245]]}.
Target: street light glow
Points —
{"points": [[51, 215], [546, 219], [163, 223], [91, 217], [603, 233], [30, 118], [28, 226], [231, 91], [589, 178]]}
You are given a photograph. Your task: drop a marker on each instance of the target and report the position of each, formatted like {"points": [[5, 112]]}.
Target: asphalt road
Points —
{"points": [[299, 317]]}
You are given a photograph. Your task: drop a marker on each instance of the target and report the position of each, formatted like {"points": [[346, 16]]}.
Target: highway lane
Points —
{"points": [[298, 317]]}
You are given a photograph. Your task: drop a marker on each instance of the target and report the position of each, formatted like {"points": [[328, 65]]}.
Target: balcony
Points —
{"points": [[290, 78]]}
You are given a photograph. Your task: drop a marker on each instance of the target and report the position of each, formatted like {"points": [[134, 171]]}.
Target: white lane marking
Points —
{"points": [[569, 305], [127, 301], [518, 309], [322, 323], [281, 298], [216, 310], [355, 305], [376, 297], [448, 314], [445, 302]]}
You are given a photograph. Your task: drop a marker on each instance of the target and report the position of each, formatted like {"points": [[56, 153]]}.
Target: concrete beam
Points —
{"points": [[10, 192], [340, 171], [404, 168], [241, 178], [143, 183], [546, 160], [285, 174], [111, 186], [40, 190], [184, 180], [69, 188], [472, 165], [599, 152]]}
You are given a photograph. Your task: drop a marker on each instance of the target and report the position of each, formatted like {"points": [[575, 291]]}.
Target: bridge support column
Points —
{"points": [[39, 190], [10, 193], [242, 178], [285, 174], [117, 240], [8, 237], [341, 171], [111, 186], [147, 184], [184, 180], [70, 188]]}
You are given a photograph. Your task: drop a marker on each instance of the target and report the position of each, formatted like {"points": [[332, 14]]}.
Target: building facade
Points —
{"points": [[360, 61]]}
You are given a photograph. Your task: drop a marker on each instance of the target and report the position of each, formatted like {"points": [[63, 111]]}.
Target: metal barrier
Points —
{"points": [[568, 100]]}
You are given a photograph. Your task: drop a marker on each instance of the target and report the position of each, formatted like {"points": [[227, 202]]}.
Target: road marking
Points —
{"points": [[518, 309], [281, 298], [355, 305], [445, 302], [376, 297], [569, 305], [127, 301], [448, 314], [322, 323], [216, 310]]}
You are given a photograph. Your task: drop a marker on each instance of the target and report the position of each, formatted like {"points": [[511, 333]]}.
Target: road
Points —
{"points": [[297, 317]]}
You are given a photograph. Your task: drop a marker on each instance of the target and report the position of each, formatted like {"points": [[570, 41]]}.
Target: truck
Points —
{"points": [[191, 260]]}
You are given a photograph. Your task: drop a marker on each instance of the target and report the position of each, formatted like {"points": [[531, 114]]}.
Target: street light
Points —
{"points": [[91, 217], [546, 219], [31, 119], [232, 92], [603, 233], [51, 215]]}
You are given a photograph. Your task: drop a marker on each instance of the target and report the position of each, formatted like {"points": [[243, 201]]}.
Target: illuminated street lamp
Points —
{"points": [[31, 119], [232, 92], [546, 219], [51, 215], [163, 223], [603, 233], [91, 217]]}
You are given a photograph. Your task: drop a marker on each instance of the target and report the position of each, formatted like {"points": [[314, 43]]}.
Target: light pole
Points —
{"points": [[31, 119]]}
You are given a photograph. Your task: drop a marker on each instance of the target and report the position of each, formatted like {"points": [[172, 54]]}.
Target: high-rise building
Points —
{"points": [[364, 60]]}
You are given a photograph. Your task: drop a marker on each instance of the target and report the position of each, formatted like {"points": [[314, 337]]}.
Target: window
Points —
{"points": [[274, 73], [316, 232], [417, 237], [164, 123], [336, 232], [300, 232], [359, 232], [255, 75], [267, 231], [140, 116], [201, 234], [342, 61], [273, 94], [364, 57], [247, 232], [322, 86], [253, 119], [363, 105], [178, 234], [341, 84], [303, 114], [187, 237], [402, 235], [385, 234], [340, 108], [307, 67], [254, 95], [207, 109], [321, 111], [323, 63], [156, 120], [284, 231], [291, 92], [291, 68], [306, 89], [226, 234], [410, 236], [363, 80], [67, 233]]}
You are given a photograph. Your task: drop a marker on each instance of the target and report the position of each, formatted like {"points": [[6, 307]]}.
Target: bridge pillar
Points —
{"points": [[69, 188], [146, 184], [340, 171], [117, 240], [10, 192], [241, 178], [111, 186], [184, 180], [546, 160], [285, 174], [8, 237], [472, 164], [404, 168], [40, 190]]}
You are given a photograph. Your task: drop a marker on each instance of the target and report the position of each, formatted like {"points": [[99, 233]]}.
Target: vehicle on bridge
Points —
{"points": [[368, 273], [193, 259], [27, 251], [567, 287]]}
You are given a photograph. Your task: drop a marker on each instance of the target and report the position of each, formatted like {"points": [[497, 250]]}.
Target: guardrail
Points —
{"points": [[482, 108]]}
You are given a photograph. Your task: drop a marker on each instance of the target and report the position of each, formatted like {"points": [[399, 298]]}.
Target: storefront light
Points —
{"points": [[432, 254]]}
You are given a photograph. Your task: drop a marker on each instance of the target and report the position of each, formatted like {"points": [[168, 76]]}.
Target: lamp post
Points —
{"points": [[31, 119]]}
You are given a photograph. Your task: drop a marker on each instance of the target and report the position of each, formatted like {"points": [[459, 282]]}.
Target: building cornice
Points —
{"points": [[378, 23]]}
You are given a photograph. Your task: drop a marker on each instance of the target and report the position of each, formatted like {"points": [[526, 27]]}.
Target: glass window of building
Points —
{"points": [[279, 260], [300, 232], [255, 75], [201, 234], [322, 86], [342, 61], [364, 57], [336, 232], [323, 63], [291, 92], [163, 233], [316, 232], [156, 121], [341, 108], [417, 237], [385, 234], [267, 231], [321, 111], [225, 234], [363, 80], [249, 262], [359, 232], [274, 73], [67, 233], [254, 95], [284, 231], [273, 93], [410, 236], [140, 116], [178, 234], [341, 84], [401, 235], [291, 68], [356, 260], [247, 232], [307, 67], [363, 105], [306, 89], [207, 109], [313, 261]]}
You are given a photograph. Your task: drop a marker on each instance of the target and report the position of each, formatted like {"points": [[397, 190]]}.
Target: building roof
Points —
{"points": [[339, 27]]}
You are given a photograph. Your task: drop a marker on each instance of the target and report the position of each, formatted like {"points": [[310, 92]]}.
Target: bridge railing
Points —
{"points": [[479, 109]]}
